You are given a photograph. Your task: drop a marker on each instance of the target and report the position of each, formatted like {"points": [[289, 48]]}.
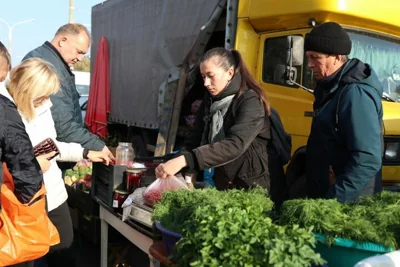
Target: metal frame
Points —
{"points": [[135, 237], [231, 23], [169, 119]]}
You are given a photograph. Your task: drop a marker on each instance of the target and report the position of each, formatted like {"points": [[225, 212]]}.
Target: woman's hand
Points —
{"points": [[109, 154], [44, 162], [99, 156], [171, 167]]}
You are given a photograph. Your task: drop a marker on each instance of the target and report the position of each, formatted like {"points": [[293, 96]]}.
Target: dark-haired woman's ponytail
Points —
{"points": [[237, 58], [248, 81]]}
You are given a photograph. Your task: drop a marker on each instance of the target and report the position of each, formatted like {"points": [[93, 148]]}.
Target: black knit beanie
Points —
{"points": [[328, 38]]}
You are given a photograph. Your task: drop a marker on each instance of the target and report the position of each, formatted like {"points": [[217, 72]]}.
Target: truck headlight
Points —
{"points": [[392, 152]]}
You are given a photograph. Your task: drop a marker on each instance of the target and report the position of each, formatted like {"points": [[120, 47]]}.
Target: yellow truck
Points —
{"points": [[152, 57], [264, 30]]}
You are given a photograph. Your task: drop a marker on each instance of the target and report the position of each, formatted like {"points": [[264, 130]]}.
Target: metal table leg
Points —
{"points": [[104, 239]]}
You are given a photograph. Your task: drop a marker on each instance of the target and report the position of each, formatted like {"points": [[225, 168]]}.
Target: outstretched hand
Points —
{"points": [[99, 156], [108, 152], [171, 167]]}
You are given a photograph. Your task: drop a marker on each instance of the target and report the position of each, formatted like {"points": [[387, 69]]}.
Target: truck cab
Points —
{"points": [[270, 34]]}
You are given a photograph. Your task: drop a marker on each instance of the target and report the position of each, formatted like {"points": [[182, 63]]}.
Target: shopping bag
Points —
{"points": [[154, 192], [26, 232]]}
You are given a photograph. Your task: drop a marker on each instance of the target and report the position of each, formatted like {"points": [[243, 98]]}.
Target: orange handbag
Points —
{"points": [[26, 232]]}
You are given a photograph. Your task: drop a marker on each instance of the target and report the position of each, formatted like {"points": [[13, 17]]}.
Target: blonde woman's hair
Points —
{"points": [[33, 79]]}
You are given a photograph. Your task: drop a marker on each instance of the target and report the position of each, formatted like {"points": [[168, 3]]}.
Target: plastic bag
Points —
{"points": [[136, 196], [391, 259], [26, 232], [154, 192]]}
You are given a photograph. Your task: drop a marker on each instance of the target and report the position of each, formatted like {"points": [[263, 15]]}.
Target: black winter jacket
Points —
{"points": [[17, 152], [241, 159], [66, 110]]}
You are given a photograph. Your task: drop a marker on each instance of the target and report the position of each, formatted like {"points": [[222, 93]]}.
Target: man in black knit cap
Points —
{"points": [[346, 133]]}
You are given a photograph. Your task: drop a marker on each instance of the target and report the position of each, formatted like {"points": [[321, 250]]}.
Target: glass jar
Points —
{"points": [[132, 179], [119, 198], [124, 154]]}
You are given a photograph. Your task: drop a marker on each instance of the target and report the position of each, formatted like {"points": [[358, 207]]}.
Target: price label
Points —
{"points": [[115, 203]]}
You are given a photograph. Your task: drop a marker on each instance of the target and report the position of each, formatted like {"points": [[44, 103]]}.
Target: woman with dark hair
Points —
{"points": [[232, 128]]}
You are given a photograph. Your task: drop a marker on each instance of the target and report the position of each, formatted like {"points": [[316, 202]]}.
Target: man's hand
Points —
{"points": [[44, 162], [108, 153], [171, 167], [99, 156]]}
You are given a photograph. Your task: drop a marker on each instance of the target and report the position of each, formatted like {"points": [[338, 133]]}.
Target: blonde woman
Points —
{"points": [[30, 86]]}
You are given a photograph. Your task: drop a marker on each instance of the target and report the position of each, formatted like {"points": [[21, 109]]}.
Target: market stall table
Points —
{"points": [[127, 229]]}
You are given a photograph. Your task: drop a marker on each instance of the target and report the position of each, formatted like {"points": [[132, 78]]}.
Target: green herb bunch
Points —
{"points": [[219, 235], [177, 206], [383, 211], [325, 216], [371, 219], [232, 228]]}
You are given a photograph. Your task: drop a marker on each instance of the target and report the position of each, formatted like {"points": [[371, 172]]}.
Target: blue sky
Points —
{"points": [[49, 15]]}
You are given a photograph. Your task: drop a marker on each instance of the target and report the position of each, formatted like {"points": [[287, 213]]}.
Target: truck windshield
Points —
{"points": [[384, 57]]}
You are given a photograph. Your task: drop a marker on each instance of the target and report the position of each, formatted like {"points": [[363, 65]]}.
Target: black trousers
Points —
{"points": [[61, 254]]}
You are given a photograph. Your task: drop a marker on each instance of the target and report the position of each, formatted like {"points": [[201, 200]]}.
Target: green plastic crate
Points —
{"points": [[345, 252]]}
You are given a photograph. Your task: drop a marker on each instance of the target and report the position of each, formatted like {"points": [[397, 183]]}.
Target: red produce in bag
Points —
{"points": [[153, 193]]}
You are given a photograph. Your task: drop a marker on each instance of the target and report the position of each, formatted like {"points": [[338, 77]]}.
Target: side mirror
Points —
{"points": [[295, 50], [285, 74]]}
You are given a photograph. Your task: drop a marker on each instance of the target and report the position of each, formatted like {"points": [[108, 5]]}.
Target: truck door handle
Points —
{"points": [[308, 114]]}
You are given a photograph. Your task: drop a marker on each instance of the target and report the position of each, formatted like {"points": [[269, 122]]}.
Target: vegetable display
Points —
{"points": [[371, 219], [80, 174], [232, 228]]}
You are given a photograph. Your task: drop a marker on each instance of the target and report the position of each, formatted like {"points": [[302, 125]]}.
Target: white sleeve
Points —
{"points": [[72, 152]]}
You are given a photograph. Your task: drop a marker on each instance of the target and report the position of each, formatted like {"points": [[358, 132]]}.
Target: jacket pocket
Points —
{"points": [[246, 181], [254, 171]]}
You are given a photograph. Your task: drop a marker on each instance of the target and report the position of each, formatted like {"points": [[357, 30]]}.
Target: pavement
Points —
{"points": [[121, 252]]}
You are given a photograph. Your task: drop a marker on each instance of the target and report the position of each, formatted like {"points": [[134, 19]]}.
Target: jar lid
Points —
{"points": [[124, 144], [121, 192], [134, 171]]}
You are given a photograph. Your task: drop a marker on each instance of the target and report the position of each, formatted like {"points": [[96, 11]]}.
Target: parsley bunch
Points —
{"points": [[232, 228], [176, 207]]}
